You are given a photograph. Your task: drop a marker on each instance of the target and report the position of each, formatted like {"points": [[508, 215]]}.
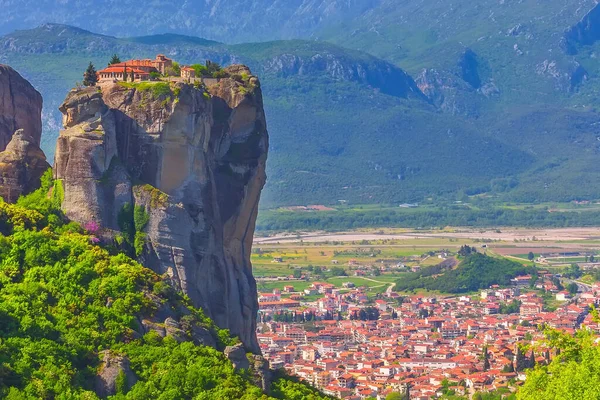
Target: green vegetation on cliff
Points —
{"points": [[573, 373], [476, 271], [65, 302]]}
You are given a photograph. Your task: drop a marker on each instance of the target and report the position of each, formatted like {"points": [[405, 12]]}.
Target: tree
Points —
{"points": [[90, 77], [174, 70], [530, 256], [573, 272], [212, 67], [114, 60], [466, 250], [485, 357], [572, 288], [532, 360], [508, 368], [574, 372], [338, 271], [394, 396]]}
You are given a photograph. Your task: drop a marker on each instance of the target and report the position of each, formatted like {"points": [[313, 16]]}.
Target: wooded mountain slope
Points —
{"points": [[508, 102]]}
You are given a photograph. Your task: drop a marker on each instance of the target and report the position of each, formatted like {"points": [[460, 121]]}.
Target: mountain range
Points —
{"points": [[367, 101]]}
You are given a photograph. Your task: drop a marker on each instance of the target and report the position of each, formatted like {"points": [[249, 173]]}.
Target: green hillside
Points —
{"points": [[67, 306], [476, 271]]}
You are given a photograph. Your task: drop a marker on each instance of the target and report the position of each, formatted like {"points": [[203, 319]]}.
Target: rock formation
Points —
{"points": [[20, 107], [187, 160], [114, 368], [22, 162]]}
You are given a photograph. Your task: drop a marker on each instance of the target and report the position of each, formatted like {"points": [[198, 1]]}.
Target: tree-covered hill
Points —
{"points": [[70, 310], [476, 271]]}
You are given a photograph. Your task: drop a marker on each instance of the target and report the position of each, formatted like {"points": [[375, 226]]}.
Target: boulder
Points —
{"points": [[114, 371], [237, 355]]}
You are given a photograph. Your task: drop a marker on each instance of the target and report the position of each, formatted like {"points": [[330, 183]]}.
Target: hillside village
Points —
{"points": [[354, 348]]}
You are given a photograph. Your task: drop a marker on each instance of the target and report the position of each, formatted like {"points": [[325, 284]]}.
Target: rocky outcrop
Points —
{"points": [[379, 74], [22, 164], [567, 75], [584, 33], [194, 161], [20, 107], [114, 371], [448, 92], [261, 372], [237, 355]]}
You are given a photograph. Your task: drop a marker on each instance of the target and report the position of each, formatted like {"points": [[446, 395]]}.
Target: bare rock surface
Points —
{"points": [[113, 368], [194, 159], [22, 164], [237, 355], [20, 107]]}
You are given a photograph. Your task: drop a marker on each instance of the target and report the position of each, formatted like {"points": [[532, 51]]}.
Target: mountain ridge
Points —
{"points": [[340, 133]]}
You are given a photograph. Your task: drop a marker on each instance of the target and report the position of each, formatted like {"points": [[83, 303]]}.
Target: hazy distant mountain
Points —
{"points": [[506, 99], [230, 21]]}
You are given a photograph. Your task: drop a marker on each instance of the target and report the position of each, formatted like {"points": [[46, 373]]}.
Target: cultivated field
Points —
{"points": [[377, 258]]}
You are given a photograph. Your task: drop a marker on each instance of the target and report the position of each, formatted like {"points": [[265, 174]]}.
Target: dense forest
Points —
{"points": [[67, 303], [270, 220], [476, 271]]}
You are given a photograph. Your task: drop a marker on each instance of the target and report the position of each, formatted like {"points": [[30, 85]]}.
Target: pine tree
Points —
{"points": [[486, 358], [114, 60], [90, 77], [532, 360]]}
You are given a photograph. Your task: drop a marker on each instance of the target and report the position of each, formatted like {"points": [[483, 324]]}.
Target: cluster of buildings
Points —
{"points": [[421, 345], [142, 69]]}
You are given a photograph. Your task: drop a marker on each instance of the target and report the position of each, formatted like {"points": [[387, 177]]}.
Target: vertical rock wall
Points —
{"points": [[195, 160], [22, 162]]}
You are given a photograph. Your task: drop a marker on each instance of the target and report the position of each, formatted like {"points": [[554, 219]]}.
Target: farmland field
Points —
{"points": [[377, 258]]}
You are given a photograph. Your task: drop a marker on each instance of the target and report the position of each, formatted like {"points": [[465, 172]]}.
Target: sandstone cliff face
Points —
{"points": [[195, 161], [22, 162], [20, 107]]}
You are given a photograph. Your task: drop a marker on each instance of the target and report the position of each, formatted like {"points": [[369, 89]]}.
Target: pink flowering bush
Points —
{"points": [[91, 227]]}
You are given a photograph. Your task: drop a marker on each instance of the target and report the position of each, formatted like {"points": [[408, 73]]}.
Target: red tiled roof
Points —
{"points": [[113, 69]]}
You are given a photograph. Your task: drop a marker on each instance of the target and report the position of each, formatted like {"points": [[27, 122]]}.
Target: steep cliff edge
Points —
{"points": [[174, 171], [20, 107], [22, 162]]}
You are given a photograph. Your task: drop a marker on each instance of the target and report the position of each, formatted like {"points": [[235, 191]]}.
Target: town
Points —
{"points": [[367, 341], [425, 346]]}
